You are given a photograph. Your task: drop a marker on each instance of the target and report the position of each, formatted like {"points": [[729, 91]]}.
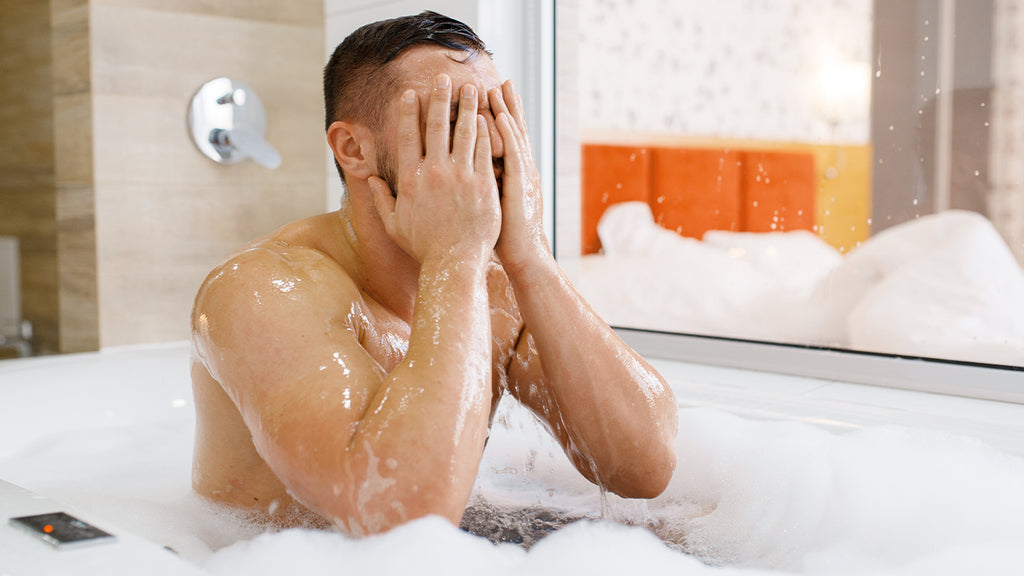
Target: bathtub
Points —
{"points": [[775, 473]]}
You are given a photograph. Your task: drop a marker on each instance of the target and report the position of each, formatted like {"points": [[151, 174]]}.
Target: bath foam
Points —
{"points": [[432, 546], [748, 495]]}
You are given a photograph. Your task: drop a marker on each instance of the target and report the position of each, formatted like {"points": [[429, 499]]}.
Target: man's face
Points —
{"points": [[417, 69]]}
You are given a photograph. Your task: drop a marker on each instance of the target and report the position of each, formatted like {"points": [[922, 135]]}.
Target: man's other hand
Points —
{"points": [[522, 238]]}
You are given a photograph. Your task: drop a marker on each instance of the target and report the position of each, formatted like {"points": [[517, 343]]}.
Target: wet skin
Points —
{"points": [[348, 364]]}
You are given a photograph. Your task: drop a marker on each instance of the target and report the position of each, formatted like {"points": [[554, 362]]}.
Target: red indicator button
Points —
{"points": [[47, 528]]}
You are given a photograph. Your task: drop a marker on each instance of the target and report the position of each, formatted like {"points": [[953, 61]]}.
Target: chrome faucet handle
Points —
{"points": [[228, 123], [242, 141]]}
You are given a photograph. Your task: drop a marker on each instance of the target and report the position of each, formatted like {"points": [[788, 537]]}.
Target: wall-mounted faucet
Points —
{"points": [[227, 123]]}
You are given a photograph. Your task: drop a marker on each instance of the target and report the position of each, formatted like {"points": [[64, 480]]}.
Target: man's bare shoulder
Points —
{"points": [[275, 289]]}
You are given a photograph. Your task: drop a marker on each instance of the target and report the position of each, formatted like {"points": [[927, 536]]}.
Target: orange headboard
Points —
{"points": [[693, 190]]}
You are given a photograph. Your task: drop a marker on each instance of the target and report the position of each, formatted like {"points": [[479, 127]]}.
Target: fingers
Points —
{"points": [[438, 121], [504, 100], [482, 164], [410, 148], [383, 200], [497, 102], [514, 103], [513, 158], [466, 126]]}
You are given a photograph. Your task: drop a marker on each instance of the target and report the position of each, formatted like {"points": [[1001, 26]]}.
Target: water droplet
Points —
{"points": [[977, 173], [869, 221], [891, 127], [878, 73], [915, 201]]}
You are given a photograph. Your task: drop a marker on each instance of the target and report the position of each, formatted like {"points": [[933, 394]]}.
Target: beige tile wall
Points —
{"points": [[73, 143], [139, 216], [27, 194], [164, 213]]}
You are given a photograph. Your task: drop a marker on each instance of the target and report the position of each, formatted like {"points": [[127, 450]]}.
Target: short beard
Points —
{"points": [[386, 167]]}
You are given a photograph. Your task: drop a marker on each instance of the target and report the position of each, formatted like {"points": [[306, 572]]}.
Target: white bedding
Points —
{"points": [[942, 286]]}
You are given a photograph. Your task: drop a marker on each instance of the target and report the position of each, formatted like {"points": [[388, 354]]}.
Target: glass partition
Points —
{"points": [[837, 175]]}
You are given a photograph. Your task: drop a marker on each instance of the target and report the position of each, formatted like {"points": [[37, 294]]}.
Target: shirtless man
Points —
{"points": [[348, 364]]}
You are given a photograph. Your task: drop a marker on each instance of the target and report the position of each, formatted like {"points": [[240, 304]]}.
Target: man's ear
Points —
{"points": [[353, 147]]}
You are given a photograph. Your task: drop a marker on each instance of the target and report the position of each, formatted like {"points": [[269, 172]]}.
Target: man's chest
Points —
{"points": [[386, 338]]}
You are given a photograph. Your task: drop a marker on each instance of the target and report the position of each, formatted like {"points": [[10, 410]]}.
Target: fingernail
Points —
{"points": [[468, 91], [409, 96], [443, 80]]}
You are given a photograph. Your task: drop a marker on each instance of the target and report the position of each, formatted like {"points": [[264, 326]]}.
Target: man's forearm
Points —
{"points": [[617, 410], [430, 415]]}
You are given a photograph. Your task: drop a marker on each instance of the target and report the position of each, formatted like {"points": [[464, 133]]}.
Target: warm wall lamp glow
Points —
{"points": [[844, 90]]}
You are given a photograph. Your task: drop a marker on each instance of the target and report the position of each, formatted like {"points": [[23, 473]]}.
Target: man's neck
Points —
{"points": [[378, 266]]}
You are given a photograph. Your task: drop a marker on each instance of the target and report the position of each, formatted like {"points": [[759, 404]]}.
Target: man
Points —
{"points": [[348, 364]]}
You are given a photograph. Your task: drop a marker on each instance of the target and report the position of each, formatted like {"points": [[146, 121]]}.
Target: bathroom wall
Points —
{"points": [[742, 69], [27, 194], [1006, 200], [143, 215]]}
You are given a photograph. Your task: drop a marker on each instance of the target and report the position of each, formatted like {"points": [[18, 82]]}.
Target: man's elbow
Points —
{"points": [[649, 479], [652, 469]]}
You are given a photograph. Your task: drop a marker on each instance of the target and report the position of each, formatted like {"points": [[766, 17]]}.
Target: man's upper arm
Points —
{"points": [[285, 349]]}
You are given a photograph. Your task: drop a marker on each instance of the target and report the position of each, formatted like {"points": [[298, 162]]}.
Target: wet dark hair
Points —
{"points": [[357, 79]]}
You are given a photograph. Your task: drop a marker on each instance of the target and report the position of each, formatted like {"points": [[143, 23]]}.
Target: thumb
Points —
{"points": [[383, 201]]}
